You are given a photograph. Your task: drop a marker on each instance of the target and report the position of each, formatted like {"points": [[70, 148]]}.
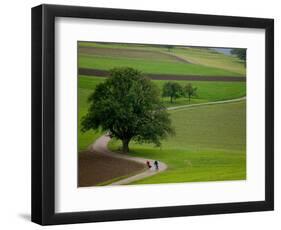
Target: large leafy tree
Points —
{"points": [[172, 90], [128, 105]]}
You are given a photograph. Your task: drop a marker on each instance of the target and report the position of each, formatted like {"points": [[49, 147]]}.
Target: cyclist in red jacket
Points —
{"points": [[148, 164]]}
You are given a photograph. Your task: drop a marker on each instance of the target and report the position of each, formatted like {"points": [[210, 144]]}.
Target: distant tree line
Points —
{"points": [[174, 90], [169, 47], [240, 53]]}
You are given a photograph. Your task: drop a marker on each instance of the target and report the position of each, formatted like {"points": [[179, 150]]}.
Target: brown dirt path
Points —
{"points": [[100, 146], [100, 165]]}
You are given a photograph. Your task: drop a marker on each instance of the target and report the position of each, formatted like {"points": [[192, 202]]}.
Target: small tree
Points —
{"points": [[240, 53], [169, 47], [128, 106], [172, 90], [190, 91]]}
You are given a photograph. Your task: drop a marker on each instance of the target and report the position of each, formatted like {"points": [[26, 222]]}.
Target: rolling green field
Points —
{"points": [[210, 144], [207, 92], [157, 59], [210, 141], [212, 59], [155, 67], [86, 86]]}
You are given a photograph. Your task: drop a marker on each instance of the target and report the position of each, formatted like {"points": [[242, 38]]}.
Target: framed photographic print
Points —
{"points": [[142, 114]]}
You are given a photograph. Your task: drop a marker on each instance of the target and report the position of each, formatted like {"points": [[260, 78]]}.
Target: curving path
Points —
{"points": [[207, 103], [100, 146]]}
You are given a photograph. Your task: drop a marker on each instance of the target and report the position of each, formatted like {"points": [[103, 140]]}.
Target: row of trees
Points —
{"points": [[174, 90]]}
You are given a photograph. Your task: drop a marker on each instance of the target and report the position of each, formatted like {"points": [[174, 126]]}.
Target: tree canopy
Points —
{"points": [[128, 106], [190, 91], [169, 47], [240, 53], [172, 90]]}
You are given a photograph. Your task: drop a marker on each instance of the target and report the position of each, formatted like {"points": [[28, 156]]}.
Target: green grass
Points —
{"points": [[219, 126], [200, 56], [128, 53], [207, 92], [210, 141], [86, 86], [121, 46], [153, 67], [195, 166], [212, 59], [120, 178], [210, 145]]}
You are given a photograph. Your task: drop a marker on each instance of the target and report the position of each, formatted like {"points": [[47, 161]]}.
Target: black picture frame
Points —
{"points": [[43, 114]]}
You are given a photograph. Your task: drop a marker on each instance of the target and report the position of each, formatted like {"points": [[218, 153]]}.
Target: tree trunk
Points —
{"points": [[171, 99], [125, 146]]}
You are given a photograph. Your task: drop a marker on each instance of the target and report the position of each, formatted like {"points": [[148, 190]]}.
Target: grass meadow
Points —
{"points": [[209, 144], [202, 61], [155, 67], [207, 92], [210, 141]]}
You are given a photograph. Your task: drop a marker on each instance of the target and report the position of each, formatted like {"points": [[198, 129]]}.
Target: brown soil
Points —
{"points": [[104, 73], [96, 168], [130, 53]]}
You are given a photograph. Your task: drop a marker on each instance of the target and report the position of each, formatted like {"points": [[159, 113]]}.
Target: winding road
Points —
{"points": [[207, 103], [100, 146]]}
